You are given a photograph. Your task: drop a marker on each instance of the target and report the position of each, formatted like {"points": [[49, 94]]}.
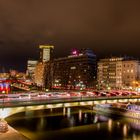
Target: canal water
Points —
{"points": [[74, 124]]}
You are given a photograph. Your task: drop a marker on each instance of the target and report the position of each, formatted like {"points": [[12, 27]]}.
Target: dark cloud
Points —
{"points": [[106, 26]]}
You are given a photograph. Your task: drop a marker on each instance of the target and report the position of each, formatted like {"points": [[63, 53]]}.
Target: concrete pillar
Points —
{"points": [[3, 126]]}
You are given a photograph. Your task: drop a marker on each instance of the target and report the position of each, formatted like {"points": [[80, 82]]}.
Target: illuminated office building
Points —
{"points": [[77, 71]]}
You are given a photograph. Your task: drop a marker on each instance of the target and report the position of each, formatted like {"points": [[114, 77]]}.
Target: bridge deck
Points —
{"points": [[32, 102]]}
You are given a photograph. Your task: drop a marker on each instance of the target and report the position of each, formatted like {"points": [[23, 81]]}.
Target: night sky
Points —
{"points": [[109, 27]]}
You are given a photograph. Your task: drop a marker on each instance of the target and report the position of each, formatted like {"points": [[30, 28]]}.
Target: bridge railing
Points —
{"points": [[51, 100]]}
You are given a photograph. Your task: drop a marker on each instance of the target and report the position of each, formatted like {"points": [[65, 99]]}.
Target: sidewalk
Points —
{"points": [[12, 134]]}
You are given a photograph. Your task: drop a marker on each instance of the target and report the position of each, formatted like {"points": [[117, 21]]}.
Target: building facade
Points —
{"points": [[77, 71], [130, 72], [40, 74], [117, 72], [31, 65], [43, 69]]}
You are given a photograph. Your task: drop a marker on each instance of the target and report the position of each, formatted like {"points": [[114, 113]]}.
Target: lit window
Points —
{"points": [[73, 68]]}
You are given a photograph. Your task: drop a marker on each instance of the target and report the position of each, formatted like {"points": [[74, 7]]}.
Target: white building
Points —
{"points": [[117, 72], [31, 65]]}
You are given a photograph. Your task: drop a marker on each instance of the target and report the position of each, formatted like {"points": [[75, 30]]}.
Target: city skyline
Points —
{"points": [[69, 69], [107, 27]]}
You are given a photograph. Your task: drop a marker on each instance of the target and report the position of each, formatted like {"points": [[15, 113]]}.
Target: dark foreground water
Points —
{"points": [[74, 124]]}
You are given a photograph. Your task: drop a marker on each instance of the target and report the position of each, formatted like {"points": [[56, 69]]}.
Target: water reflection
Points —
{"points": [[80, 115], [68, 112], [102, 118], [41, 123], [98, 126], [125, 130], [64, 111], [56, 124], [135, 123], [95, 119], [110, 125]]}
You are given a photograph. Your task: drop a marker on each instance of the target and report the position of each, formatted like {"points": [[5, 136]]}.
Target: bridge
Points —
{"points": [[21, 86], [12, 107], [5, 84]]}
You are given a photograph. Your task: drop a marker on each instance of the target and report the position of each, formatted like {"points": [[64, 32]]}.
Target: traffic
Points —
{"points": [[37, 95]]}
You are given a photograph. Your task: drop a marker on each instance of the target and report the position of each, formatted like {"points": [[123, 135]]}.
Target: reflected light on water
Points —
{"points": [[98, 126], [71, 121], [125, 130], [80, 115], [40, 124], [51, 109], [134, 123], [68, 112], [64, 111], [95, 119], [110, 125], [103, 118], [135, 137], [118, 123]]}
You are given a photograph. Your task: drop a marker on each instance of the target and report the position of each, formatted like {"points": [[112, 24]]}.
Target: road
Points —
{"points": [[26, 101]]}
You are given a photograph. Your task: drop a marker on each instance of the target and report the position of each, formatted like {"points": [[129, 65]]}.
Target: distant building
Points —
{"points": [[130, 72], [13, 73], [40, 74], [46, 53], [31, 65], [49, 71], [77, 71], [4, 76], [42, 70], [117, 72]]}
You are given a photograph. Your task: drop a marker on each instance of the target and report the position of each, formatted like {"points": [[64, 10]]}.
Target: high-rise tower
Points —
{"points": [[46, 53]]}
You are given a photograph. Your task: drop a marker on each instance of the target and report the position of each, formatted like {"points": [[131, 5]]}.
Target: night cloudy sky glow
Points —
{"points": [[106, 26]]}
